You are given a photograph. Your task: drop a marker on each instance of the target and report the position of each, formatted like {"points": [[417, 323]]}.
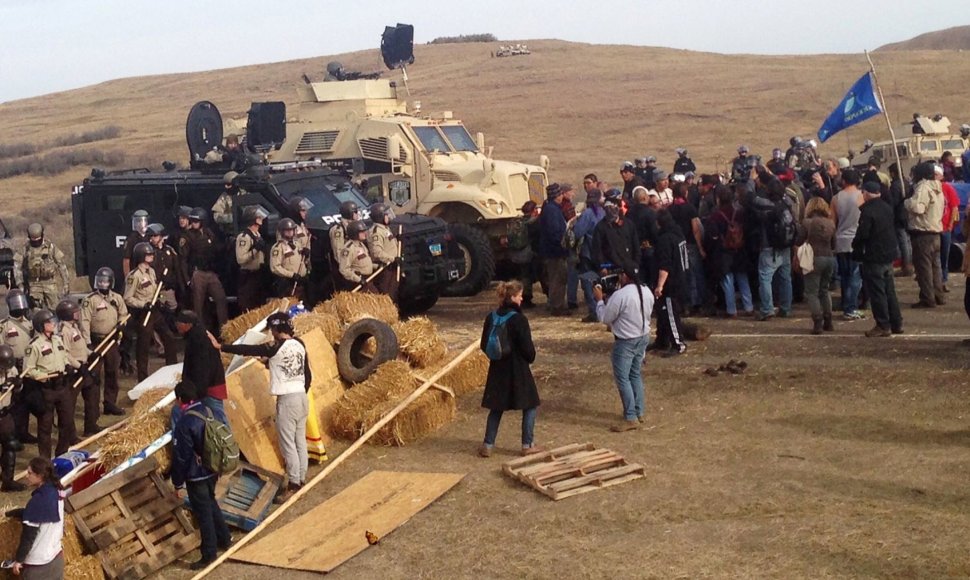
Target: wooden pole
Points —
{"points": [[369, 278], [892, 132], [151, 305], [340, 459], [400, 249]]}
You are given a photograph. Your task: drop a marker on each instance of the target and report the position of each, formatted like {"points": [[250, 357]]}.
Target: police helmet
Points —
{"points": [[156, 229], [141, 252], [104, 279], [17, 300], [964, 130], [379, 211], [354, 228], [252, 214], [139, 221], [681, 152], [348, 209], [198, 214], [183, 211], [35, 231], [794, 141], [285, 225], [40, 318], [66, 310], [280, 322], [7, 358], [298, 204], [230, 177], [742, 150]]}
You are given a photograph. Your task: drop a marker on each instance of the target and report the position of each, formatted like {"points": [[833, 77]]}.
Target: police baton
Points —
{"points": [[369, 278], [151, 305], [400, 249]]}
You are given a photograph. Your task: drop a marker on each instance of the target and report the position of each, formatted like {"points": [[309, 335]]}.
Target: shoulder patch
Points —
{"points": [[344, 253], [28, 351]]}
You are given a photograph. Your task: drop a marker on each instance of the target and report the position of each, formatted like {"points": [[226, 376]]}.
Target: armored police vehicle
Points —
{"points": [[104, 202]]}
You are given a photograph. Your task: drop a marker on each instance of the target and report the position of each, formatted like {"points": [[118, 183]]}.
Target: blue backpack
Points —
{"points": [[497, 346]]}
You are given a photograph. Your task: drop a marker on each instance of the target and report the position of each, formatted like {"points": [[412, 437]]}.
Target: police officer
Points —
{"points": [[43, 264], [383, 247], [9, 445], [349, 212], [17, 331], [299, 208], [139, 234], [354, 262], [101, 312], [49, 367], [290, 267], [168, 271], [140, 289], [222, 208], [178, 239], [251, 257], [202, 249], [69, 330]]}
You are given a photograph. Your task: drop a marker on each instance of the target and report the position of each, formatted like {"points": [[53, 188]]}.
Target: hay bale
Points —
{"points": [[137, 434], [350, 307], [325, 321], [419, 341], [76, 564], [148, 399], [468, 376], [235, 328], [364, 405]]}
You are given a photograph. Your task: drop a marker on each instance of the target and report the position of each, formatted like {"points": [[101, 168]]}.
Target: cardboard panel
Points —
{"points": [[334, 531], [252, 415]]}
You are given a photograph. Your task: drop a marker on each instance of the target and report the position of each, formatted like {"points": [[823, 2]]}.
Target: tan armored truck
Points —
{"points": [[922, 139]]}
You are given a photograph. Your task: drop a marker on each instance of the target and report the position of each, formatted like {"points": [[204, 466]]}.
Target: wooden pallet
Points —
{"points": [[134, 521], [572, 470], [246, 495]]}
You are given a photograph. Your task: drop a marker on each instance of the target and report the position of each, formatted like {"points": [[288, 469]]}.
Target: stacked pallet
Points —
{"points": [[572, 470]]}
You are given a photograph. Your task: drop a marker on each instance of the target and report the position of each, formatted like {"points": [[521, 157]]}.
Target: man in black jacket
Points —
{"points": [[615, 241], [672, 263], [644, 220], [202, 365], [875, 247], [897, 196]]}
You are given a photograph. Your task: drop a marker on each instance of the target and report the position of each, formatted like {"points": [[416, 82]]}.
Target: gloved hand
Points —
{"points": [[305, 252]]}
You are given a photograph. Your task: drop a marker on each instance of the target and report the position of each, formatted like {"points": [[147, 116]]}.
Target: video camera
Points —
{"points": [[609, 283]]}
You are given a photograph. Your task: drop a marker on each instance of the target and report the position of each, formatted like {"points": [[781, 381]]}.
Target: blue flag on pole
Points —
{"points": [[859, 104]]}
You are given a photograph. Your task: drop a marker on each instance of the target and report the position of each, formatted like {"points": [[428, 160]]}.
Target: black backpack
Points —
{"points": [[781, 227]]}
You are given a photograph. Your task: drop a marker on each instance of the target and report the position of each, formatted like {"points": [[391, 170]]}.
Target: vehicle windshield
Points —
{"points": [[432, 139], [326, 196], [459, 137], [929, 146], [953, 144]]}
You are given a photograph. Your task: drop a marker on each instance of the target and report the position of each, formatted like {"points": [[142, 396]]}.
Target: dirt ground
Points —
{"points": [[833, 456]]}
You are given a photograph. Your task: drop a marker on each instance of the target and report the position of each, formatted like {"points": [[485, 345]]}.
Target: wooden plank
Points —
{"points": [[547, 455], [333, 532], [106, 486], [112, 533], [570, 462], [174, 550], [600, 476], [577, 469], [251, 410], [562, 495]]}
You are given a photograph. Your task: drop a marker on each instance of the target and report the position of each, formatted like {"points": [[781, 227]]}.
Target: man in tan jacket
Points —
{"points": [[925, 213]]}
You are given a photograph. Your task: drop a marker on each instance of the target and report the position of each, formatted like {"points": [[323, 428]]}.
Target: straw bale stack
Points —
{"points": [[235, 328], [350, 307], [76, 564], [468, 376], [325, 321], [143, 428], [419, 341]]}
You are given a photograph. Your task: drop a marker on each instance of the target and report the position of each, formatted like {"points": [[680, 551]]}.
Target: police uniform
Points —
{"points": [[355, 265], [338, 235], [8, 440], [168, 270], [140, 286], [301, 237], [41, 268], [201, 254], [100, 314], [77, 347], [46, 365], [290, 268], [383, 247], [17, 333], [133, 239], [251, 257]]}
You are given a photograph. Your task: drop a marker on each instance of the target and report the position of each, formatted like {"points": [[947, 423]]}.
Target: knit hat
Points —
{"points": [[659, 174], [553, 190], [612, 211]]}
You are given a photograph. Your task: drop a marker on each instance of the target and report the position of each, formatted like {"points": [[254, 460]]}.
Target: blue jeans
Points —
{"points": [[771, 262], [946, 238], [696, 281], [586, 280], [212, 526], [851, 280], [572, 282], [528, 426], [627, 358], [727, 285]]}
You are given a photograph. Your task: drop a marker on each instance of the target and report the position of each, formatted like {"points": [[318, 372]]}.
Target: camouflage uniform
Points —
{"points": [[383, 247], [100, 314], [290, 268], [140, 286], [46, 365], [41, 268]]}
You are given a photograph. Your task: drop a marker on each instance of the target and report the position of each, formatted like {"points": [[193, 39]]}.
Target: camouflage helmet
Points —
{"points": [[17, 300], [104, 279], [141, 252], [35, 231], [230, 177], [66, 310], [355, 228], [348, 209], [7, 358], [379, 211], [252, 214], [40, 318]]}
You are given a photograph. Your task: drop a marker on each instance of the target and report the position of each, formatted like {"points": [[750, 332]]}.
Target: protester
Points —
{"points": [[690, 225], [552, 227], [729, 260], [583, 230], [509, 384], [925, 217], [40, 553], [874, 246], [202, 365], [572, 259], [643, 216], [845, 210], [895, 199], [818, 230], [671, 285], [190, 476], [523, 244], [627, 313], [615, 241], [630, 180], [951, 216], [772, 239]]}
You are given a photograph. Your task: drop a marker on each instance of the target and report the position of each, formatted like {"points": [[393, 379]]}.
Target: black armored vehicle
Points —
{"points": [[104, 202]]}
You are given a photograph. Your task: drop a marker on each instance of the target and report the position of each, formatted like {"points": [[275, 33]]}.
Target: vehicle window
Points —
{"points": [[459, 137], [953, 145], [127, 202], [326, 200], [432, 139], [929, 145]]}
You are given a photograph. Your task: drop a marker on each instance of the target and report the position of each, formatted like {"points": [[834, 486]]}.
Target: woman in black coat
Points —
{"points": [[510, 385]]}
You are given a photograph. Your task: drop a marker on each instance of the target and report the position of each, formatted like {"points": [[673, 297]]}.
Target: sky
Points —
{"points": [[54, 45]]}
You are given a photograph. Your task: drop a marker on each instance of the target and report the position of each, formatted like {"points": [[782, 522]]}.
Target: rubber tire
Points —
{"points": [[419, 305], [351, 364], [482, 268]]}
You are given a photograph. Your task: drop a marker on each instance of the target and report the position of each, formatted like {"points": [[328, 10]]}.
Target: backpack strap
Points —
{"points": [[208, 416]]}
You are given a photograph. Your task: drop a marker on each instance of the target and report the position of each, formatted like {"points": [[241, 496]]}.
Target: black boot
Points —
{"points": [[8, 466], [827, 323], [816, 325]]}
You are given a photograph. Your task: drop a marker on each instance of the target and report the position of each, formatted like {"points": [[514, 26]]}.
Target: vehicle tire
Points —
{"points": [[417, 305], [956, 257], [479, 261], [355, 366]]}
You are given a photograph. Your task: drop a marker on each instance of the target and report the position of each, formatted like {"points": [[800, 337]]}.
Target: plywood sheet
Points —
{"points": [[251, 410], [333, 532], [327, 386]]}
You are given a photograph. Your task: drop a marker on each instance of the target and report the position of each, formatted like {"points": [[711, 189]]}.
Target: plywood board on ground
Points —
{"points": [[251, 410], [327, 386], [333, 532]]}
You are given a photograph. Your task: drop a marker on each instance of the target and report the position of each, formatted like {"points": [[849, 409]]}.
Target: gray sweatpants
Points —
{"points": [[291, 414]]}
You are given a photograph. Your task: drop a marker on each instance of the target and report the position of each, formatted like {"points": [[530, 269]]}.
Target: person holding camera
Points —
{"points": [[627, 313]]}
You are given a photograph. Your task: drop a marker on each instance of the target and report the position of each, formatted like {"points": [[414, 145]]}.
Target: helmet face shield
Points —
{"points": [[305, 204], [139, 224], [104, 280], [17, 301]]}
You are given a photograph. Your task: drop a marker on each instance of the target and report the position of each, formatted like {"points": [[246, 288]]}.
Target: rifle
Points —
{"points": [[151, 305]]}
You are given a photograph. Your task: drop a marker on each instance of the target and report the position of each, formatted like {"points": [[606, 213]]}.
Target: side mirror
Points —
{"points": [[480, 140], [544, 162]]}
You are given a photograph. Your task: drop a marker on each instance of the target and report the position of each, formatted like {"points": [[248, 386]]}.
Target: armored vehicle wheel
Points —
{"points": [[352, 363], [417, 305], [479, 261]]}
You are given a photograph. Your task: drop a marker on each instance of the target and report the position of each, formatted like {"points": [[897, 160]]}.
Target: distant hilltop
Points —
{"points": [[956, 38]]}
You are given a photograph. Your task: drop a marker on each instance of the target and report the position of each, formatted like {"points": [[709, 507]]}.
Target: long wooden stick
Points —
{"points": [[340, 459], [151, 305], [369, 278], [400, 249], [111, 334], [892, 132]]}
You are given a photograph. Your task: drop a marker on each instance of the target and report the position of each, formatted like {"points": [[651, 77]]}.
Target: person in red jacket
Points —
{"points": [[951, 215]]}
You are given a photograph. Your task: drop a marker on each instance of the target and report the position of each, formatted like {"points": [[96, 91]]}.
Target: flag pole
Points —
{"points": [[892, 132]]}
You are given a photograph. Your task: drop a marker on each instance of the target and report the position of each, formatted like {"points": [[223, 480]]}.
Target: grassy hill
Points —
{"points": [[956, 38], [588, 107]]}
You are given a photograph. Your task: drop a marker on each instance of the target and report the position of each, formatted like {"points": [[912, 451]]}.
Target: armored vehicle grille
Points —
{"points": [[373, 148], [317, 141], [446, 176]]}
